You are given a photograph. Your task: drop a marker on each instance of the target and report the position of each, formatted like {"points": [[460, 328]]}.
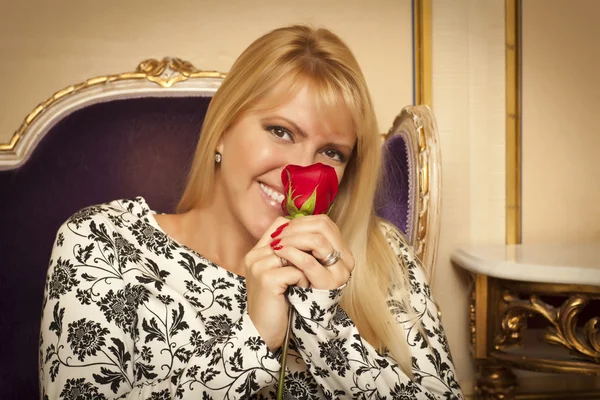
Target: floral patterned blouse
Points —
{"points": [[130, 313]]}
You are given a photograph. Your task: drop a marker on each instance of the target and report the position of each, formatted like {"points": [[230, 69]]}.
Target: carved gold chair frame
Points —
{"points": [[166, 77], [418, 127]]}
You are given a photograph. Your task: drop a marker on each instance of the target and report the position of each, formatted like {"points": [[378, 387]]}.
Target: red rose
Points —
{"points": [[308, 190]]}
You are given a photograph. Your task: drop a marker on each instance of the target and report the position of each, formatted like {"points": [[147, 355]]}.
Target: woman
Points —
{"points": [[194, 304]]}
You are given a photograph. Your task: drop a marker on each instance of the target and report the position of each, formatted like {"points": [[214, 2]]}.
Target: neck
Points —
{"points": [[215, 234]]}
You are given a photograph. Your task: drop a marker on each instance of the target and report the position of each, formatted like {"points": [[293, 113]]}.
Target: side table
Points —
{"points": [[533, 307]]}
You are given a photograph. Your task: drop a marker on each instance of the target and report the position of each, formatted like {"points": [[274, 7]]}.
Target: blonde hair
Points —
{"points": [[296, 56]]}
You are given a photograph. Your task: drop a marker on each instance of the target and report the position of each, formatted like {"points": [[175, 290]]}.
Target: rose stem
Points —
{"points": [[286, 343]]}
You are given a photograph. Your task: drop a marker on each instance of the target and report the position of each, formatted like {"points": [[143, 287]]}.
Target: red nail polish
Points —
{"points": [[277, 247], [279, 230], [275, 242]]}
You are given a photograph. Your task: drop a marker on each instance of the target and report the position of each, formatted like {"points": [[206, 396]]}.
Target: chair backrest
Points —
{"points": [[413, 181], [121, 136]]}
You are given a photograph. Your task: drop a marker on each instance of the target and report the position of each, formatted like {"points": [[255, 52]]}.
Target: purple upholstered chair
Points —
{"points": [[134, 134], [410, 194]]}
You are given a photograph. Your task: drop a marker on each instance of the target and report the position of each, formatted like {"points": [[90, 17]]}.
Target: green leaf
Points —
{"points": [[330, 207], [290, 207], [308, 208]]}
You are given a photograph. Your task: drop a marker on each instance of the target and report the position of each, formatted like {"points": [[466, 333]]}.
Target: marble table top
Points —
{"points": [[577, 264]]}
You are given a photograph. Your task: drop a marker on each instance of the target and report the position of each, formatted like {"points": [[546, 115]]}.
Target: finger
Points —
{"points": [[269, 261], [265, 259], [319, 276], [257, 254], [284, 277], [324, 226], [315, 243], [303, 282], [340, 272]]}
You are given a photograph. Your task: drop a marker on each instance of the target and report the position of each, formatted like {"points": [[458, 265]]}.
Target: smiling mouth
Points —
{"points": [[273, 197]]}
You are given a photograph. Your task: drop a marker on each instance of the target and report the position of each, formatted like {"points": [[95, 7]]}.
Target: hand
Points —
{"points": [[266, 283], [309, 239]]}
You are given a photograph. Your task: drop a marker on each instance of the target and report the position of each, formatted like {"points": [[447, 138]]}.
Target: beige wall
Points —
{"points": [[560, 135], [561, 121], [468, 100], [46, 46], [561, 60]]}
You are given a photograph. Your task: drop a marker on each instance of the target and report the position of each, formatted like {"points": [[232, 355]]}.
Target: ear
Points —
{"points": [[220, 145]]}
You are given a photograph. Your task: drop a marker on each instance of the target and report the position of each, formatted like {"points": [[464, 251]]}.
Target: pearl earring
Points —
{"points": [[218, 157]]}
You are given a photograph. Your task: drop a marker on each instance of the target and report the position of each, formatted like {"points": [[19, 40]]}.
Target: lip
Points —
{"points": [[268, 199], [275, 188]]}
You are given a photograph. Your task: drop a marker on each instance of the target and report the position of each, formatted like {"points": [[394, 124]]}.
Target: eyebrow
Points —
{"points": [[304, 134]]}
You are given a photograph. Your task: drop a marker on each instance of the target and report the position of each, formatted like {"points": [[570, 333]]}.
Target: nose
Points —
{"points": [[302, 157]]}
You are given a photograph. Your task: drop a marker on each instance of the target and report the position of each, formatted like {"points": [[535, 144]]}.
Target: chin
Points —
{"points": [[259, 224], [260, 227]]}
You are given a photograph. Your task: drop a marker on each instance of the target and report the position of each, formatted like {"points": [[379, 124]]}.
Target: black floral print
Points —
{"points": [[83, 215], [299, 386], [63, 279], [341, 318], [335, 355], [219, 325], [152, 239], [402, 391], [79, 389], [254, 343], [162, 395], [129, 312], [86, 338], [122, 305], [60, 239], [126, 251]]}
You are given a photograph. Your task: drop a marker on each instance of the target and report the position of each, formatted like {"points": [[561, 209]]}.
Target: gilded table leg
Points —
{"points": [[494, 382]]}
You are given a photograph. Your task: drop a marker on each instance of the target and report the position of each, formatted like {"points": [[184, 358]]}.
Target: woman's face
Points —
{"points": [[261, 143]]}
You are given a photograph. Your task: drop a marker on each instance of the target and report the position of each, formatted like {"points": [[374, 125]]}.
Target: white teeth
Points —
{"points": [[278, 197]]}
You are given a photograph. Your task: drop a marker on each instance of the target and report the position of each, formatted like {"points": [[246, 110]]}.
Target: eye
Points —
{"points": [[281, 133], [334, 155]]}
